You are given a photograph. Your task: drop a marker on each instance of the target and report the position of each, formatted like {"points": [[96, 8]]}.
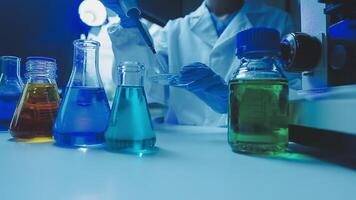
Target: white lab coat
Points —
{"points": [[194, 39]]}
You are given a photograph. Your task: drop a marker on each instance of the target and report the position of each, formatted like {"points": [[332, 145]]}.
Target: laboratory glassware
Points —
{"points": [[37, 108], [130, 127], [168, 79], [258, 103], [11, 87], [84, 111], [160, 74]]}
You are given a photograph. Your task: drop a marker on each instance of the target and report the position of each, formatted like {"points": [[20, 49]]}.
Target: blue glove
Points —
{"points": [[204, 83]]}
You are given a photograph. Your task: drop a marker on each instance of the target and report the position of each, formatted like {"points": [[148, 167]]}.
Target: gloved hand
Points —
{"points": [[128, 45], [204, 83]]}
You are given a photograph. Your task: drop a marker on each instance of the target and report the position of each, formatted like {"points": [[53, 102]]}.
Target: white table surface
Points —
{"points": [[192, 163]]}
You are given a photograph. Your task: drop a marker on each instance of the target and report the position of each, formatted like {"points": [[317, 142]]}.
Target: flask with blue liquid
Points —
{"points": [[130, 128], [84, 111], [10, 89]]}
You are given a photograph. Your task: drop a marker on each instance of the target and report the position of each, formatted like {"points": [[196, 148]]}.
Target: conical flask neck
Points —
{"points": [[86, 64], [41, 70], [10, 67], [131, 74]]}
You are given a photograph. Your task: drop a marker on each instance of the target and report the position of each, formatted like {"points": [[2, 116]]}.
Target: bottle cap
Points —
{"points": [[257, 42]]}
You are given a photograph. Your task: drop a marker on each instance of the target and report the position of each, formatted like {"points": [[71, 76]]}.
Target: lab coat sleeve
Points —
{"points": [[128, 45]]}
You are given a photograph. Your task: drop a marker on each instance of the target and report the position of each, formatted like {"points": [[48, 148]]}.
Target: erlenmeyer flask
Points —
{"points": [[10, 89], [37, 108], [130, 127], [84, 112]]}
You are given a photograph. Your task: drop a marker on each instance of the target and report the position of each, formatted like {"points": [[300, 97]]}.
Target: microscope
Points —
{"points": [[322, 112]]}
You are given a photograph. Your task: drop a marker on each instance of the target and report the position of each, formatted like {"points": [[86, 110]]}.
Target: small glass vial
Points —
{"points": [[258, 103], [84, 113], [10, 89], [37, 108], [130, 127]]}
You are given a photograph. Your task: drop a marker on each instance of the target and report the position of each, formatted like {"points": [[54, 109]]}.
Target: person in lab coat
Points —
{"points": [[201, 48]]}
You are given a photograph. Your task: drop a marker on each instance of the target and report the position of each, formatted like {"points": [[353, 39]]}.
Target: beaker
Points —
{"points": [[10, 89], [84, 111], [37, 108], [130, 127]]}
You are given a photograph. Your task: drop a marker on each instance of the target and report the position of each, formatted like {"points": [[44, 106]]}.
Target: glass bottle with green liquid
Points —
{"points": [[258, 103], [130, 128]]}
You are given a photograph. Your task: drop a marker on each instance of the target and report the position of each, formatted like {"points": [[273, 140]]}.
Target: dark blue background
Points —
{"points": [[41, 28]]}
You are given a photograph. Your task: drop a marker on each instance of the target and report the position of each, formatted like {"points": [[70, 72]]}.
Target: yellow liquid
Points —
{"points": [[35, 113]]}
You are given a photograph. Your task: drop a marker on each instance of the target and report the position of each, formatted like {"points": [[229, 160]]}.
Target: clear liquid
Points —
{"points": [[130, 127], [36, 112], [258, 116], [8, 104], [82, 118]]}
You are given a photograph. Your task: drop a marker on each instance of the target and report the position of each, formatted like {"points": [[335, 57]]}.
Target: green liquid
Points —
{"points": [[258, 116]]}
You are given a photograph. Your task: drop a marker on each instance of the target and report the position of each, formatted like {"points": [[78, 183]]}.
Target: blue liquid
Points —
{"points": [[8, 103], [82, 118], [130, 127]]}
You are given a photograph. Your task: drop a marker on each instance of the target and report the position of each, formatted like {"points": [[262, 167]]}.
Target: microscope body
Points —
{"points": [[322, 113]]}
